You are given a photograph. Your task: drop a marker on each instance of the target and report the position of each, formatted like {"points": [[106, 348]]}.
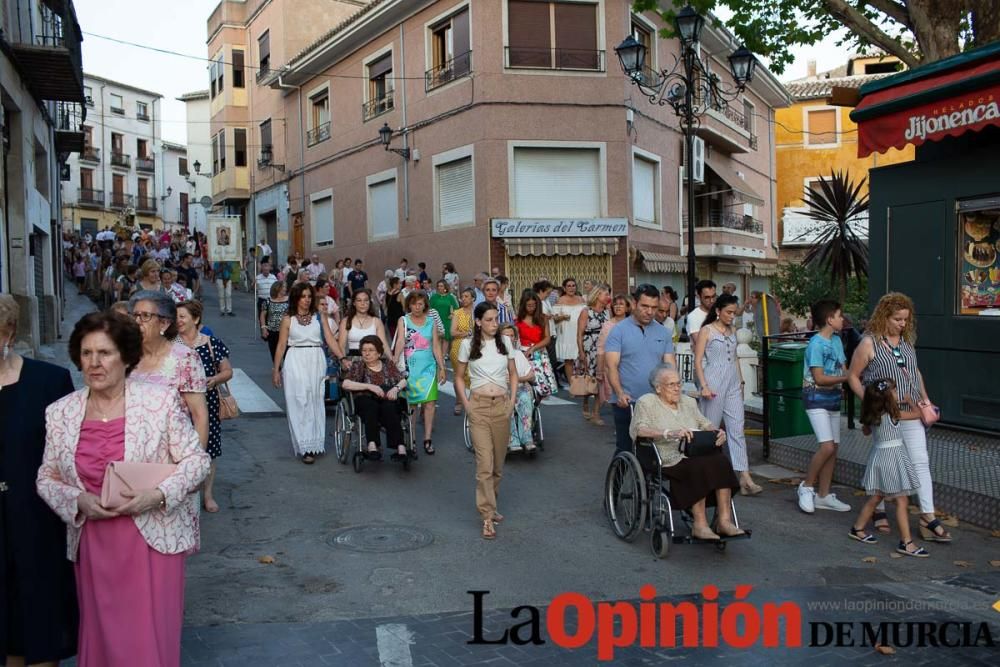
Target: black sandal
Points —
{"points": [[929, 531], [919, 552], [881, 516], [428, 448], [860, 535]]}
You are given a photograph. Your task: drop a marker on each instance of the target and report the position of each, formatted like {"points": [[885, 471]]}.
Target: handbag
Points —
{"points": [[814, 398], [701, 444], [125, 476], [582, 384], [228, 407], [929, 413]]}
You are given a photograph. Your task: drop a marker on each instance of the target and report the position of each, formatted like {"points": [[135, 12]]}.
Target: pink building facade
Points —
{"points": [[528, 148]]}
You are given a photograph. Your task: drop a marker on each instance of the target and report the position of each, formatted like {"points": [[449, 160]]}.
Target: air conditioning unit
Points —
{"points": [[699, 160]]}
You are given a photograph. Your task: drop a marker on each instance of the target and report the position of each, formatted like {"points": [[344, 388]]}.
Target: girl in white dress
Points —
{"points": [[302, 334], [565, 315]]}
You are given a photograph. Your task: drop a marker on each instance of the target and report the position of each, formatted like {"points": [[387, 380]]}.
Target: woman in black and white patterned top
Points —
{"points": [[886, 352]]}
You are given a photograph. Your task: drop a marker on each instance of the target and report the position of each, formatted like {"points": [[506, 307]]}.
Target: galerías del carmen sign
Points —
{"points": [[512, 228]]}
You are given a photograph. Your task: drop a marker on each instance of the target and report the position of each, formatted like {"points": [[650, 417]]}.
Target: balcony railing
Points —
{"points": [[90, 197], [142, 116], [69, 116], [90, 154], [263, 71], [456, 68], [528, 57], [121, 200], [145, 204], [318, 134], [48, 50], [727, 220], [145, 163], [378, 106], [121, 160]]}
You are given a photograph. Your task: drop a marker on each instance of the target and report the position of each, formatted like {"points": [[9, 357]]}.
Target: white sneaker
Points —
{"points": [[830, 502], [807, 497]]}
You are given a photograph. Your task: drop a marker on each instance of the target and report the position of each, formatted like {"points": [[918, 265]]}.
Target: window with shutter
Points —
{"points": [[379, 74], [265, 135], [383, 209], [821, 127], [238, 81], [456, 193], [529, 34], [553, 35], [576, 36], [557, 183], [222, 150], [240, 147], [645, 190], [451, 57], [321, 216], [263, 55]]}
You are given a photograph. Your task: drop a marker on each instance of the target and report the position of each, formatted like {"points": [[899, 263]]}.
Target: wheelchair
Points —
{"points": [[351, 440], [537, 431], [637, 498]]}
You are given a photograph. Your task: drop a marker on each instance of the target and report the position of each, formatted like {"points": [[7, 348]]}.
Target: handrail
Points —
{"points": [[529, 57], [450, 70]]}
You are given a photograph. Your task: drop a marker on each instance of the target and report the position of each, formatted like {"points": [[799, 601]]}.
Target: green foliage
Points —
{"points": [[798, 287]]}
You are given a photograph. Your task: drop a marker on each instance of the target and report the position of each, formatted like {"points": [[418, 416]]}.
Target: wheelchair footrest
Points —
{"points": [[690, 539]]}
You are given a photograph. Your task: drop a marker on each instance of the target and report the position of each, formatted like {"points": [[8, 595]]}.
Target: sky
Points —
{"points": [[180, 26]]}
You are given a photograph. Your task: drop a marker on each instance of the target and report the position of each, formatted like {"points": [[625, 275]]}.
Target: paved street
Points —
{"points": [[375, 567]]}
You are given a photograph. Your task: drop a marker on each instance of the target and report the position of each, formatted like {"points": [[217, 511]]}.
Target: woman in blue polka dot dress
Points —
{"points": [[215, 358]]}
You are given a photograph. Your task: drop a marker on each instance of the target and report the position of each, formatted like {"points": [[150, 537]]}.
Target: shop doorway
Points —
{"points": [[524, 271]]}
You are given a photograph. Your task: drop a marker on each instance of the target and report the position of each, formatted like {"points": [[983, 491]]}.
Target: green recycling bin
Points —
{"points": [[786, 414]]}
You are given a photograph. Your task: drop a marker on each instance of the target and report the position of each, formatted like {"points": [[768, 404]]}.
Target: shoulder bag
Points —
{"points": [[582, 384], [228, 408], [702, 443], [929, 413]]}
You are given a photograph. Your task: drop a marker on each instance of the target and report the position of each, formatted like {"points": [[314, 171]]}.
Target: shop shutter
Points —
{"points": [[384, 209], [644, 190], [322, 221], [456, 193], [576, 36], [557, 183], [529, 34], [822, 127]]}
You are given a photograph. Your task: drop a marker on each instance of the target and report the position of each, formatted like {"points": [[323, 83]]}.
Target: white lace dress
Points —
{"points": [[302, 377], [566, 348]]}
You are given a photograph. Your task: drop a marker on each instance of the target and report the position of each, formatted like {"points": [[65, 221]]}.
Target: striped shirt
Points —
{"points": [[884, 365]]}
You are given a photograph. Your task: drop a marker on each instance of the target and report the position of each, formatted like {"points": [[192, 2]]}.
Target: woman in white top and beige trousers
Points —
{"points": [[493, 382]]}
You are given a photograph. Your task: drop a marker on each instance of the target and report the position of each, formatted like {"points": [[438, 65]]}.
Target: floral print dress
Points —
{"points": [[591, 334]]}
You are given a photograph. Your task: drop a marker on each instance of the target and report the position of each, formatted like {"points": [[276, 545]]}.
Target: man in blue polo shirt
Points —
{"points": [[633, 349]]}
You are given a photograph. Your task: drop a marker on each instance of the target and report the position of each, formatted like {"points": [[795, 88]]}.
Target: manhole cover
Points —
{"points": [[380, 539]]}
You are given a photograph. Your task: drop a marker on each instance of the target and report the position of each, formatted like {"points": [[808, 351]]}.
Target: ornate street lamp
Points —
{"points": [[690, 89], [385, 137]]}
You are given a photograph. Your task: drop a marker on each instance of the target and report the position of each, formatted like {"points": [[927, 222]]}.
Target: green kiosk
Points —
{"points": [[934, 225]]}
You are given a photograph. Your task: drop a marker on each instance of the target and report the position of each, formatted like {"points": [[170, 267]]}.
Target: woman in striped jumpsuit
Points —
{"points": [[718, 372]]}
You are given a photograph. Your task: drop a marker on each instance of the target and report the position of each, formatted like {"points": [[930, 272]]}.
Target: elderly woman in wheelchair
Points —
{"points": [[377, 386], [667, 419]]}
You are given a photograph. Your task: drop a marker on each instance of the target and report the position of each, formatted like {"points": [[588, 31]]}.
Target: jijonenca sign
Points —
{"points": [[504, 228], [922, 126]]}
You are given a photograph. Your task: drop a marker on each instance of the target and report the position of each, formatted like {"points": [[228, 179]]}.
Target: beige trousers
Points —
{"points": [[489, 427]]}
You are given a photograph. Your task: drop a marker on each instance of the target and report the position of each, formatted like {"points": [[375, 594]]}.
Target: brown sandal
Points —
{"points": [[489, 530]]}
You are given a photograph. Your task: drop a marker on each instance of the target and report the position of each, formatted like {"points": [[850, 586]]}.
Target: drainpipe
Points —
{"points": [[302, 141], [406, 143]]}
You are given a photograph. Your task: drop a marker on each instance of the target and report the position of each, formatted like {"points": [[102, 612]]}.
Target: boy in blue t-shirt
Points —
{"points": [[824, 371]]}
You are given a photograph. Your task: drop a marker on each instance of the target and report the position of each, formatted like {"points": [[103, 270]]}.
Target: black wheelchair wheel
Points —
{"points": [[537, 431], [625, 496], [659, 542], [341, 442], [466, 433], [406, 462], [358, 461]]}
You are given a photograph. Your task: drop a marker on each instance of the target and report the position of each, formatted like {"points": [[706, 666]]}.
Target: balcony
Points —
{"points": [[90, 198], [48, 53], [379, 106], [145, 204], [142, 117], [456, 68], [145, 163], [90, 154], [121, 200], [266, 156], [318, 134], [121, 160], [527, 57], [726, 127], [68, 130], [726, 220], [263, 71]]}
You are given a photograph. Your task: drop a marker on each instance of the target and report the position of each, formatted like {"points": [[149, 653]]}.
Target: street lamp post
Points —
{"points": [[690, 89]]}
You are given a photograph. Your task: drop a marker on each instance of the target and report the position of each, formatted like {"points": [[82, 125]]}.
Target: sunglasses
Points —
{"points": [[900, 360]]}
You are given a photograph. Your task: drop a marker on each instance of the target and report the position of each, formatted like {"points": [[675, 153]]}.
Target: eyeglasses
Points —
{"points": [[145, 317]]}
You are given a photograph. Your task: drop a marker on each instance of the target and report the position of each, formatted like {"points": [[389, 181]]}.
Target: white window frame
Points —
{"points": [[657, 188], [805, 125], [314, 197], [366, 81], [454, 155], [752, 120], [652, 59], [111, 104], [318, 90], [429, 42], [375, 179], [601, 44], [602, 164], [806, 185]]}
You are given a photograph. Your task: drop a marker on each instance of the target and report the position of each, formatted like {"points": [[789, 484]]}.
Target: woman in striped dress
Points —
{"points": [[718, 372], [889, 473], [887, 351]]}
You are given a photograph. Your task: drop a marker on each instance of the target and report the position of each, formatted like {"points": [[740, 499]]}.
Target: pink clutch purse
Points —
{"points": [[122, 476]]}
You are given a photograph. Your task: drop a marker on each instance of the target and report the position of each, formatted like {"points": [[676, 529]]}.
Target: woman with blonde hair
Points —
{"points": [[149, 277], [887, 351], [589, 323]]}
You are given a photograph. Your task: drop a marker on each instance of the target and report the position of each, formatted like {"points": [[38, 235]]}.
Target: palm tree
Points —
{"points": [[837, 248]]}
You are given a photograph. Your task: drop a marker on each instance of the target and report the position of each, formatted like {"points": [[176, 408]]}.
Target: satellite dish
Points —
{"points": [[766, 318], [206, 202]]}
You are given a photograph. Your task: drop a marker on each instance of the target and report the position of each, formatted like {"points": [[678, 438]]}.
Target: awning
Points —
{"points": [[535, 247], [765, 270], [741, 190], [741, 268], [659, 262], [945, 98]]}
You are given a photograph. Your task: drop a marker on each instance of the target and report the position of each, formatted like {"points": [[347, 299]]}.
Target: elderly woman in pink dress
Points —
{"points": [[129, 560], [167, 361]]}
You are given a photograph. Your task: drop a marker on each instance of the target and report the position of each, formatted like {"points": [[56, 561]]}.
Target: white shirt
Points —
{"points": [[547, 312], [490, 368], [265, 249], [695, 320], [400, 273], [315, 269], [264, 285], [347, 272]]}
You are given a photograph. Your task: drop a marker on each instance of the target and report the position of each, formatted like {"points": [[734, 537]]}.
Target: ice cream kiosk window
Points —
{"points": [[979, 257]]}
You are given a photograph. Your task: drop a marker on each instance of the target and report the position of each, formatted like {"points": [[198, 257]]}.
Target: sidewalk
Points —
{"points": [[965, 468]]}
